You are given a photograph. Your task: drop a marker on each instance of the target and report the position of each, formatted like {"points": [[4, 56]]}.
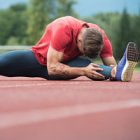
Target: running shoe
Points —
{"points": [[127, 64]]}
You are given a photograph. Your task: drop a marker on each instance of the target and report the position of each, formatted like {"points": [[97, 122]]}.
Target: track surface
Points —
{"points": [[80, 109]]}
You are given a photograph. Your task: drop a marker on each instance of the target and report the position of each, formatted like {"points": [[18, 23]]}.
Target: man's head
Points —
{"points": [[90, 42]]}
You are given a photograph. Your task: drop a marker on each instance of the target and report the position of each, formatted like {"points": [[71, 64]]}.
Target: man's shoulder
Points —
{"points": [[67, 20], [66, 23]]}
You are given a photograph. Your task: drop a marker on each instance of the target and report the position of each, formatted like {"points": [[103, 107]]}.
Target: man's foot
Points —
{"points": [[127, 64]]}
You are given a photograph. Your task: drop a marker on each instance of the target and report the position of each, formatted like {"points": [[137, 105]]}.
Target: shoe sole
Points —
{"points": [[132, 57]]}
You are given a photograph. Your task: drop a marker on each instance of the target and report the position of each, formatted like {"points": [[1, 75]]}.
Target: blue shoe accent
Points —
{"points": [[126, 65], [120, 66]]}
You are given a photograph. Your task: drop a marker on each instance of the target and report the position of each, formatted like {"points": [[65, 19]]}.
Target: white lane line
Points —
{"points": [[8, 120]]}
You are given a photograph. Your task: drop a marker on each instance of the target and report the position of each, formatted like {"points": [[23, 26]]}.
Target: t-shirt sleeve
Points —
{"points": [[60, 38], [107, 48]]}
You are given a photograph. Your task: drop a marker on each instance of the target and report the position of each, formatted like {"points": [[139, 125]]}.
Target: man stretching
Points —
{"points": [[57, 55]]}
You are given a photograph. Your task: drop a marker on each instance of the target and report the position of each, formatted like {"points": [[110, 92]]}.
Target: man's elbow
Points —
{"points": [[51, 71]]}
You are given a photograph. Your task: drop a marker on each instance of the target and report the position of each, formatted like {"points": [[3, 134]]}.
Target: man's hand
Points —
{"points": [[91, 72]]}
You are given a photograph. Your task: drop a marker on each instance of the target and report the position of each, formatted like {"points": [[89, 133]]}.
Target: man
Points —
{"points": [[56, 55]]}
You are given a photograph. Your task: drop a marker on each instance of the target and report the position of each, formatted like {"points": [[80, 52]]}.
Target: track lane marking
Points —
{"points": [[8, 120]]}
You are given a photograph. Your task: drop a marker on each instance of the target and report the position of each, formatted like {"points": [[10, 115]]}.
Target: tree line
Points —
{"points": [[23, 24]]}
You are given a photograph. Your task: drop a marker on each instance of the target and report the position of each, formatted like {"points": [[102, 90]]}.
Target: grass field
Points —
{"points": [[137, 69], [11, 48]]}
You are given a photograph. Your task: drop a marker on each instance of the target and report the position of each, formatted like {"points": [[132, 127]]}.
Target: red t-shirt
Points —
{"points": [[61, 34]]}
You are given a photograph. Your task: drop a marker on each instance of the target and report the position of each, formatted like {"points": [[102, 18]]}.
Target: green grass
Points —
{"points": [[137, 69], [11, 48]]}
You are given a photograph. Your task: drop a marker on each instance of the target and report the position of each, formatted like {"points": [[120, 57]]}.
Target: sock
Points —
{"points": [[106, 71]]}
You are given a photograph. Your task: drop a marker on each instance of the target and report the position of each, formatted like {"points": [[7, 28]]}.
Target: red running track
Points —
{"points": [[80, 109]]}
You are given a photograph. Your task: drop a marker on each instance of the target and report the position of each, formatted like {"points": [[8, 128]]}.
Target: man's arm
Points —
{"points": [[60, 70], [107, 52], [109, 61]]}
